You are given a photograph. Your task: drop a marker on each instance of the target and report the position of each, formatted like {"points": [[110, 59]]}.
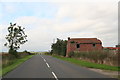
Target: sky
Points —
{"points": [[45, 21]]}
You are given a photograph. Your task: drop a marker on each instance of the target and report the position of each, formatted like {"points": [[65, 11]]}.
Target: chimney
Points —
{"points": [[68, 38]]}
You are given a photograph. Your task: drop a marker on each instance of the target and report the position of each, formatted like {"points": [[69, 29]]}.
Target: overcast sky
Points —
{"points": [[48, 20]]}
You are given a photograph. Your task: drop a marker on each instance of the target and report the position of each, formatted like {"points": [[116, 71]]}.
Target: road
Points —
{"points": [[43, 66]]}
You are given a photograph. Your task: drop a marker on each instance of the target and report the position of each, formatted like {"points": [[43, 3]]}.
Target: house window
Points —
{"points": [[78, 45], [94, 45]]}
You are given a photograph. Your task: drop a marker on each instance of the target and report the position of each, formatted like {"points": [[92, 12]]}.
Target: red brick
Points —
{"points": [[86, 44]]}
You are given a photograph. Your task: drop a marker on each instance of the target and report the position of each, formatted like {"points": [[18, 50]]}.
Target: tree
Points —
{"points": [[59, 47], [15, 38]]}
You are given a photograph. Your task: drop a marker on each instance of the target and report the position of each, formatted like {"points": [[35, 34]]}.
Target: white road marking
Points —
{"points": [[54, 75], [44, 60], [42, 57], [48, 65]]}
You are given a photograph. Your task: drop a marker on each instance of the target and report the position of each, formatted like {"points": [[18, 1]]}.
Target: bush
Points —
{"points": [[71, 54], [48, 53], [101, 57], [13, 52], [8, 59]]}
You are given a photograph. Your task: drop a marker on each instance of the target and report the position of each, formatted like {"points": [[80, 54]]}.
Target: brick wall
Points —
{"points": [[72, 46]]}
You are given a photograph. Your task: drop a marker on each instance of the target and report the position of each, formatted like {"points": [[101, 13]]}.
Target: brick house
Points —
{"points": [[83, 44], [113, 49]]}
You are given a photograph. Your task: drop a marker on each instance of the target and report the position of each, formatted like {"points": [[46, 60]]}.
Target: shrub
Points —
{"points": [[8, 59], [48, 53], [71, 54], [13, 52], [101, 57]]}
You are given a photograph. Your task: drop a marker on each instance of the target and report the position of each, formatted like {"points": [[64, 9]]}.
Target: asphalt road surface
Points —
{"points": [[43, 66]]}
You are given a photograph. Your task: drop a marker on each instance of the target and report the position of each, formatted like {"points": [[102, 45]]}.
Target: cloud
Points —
{"points": [[78, 20], [3, 32], [85, 10], [86, 15], [99, 20], [39, 32]]}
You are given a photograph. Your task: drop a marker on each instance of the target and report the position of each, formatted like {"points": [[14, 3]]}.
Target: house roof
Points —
{"points": [[112, 48], [85, 40]]}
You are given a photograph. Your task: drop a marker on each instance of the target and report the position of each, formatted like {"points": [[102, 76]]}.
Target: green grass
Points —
{"points": [[89, 64], [16, 63]]}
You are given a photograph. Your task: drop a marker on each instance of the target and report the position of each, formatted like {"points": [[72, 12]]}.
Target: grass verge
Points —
{"points": [[88, 64], [16, 63]]}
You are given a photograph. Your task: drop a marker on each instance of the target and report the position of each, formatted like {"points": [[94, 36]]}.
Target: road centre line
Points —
{"points": [[54, 75], [41, 56], [44, 60], [47, 65]]}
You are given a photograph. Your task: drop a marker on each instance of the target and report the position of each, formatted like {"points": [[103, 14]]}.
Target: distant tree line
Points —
{"points": [[59, 47]]}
